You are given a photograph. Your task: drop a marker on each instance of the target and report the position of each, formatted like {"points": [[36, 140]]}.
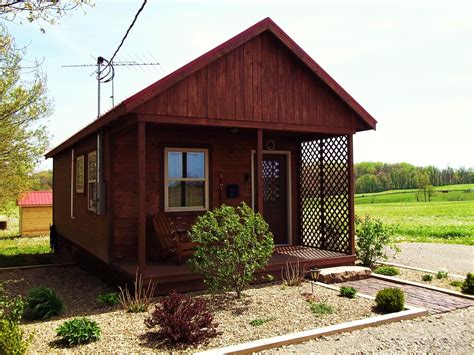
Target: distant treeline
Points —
{"points": [[376, 176]]}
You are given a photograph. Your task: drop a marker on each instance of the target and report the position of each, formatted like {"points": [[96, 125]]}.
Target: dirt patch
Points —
{"points": [[126, 332]]}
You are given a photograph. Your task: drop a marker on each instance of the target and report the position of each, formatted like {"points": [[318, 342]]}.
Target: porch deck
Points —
{"points": [[169, 276]]}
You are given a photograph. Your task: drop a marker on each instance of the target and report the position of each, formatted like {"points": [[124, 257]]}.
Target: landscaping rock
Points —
{"points": [[343, 273]]}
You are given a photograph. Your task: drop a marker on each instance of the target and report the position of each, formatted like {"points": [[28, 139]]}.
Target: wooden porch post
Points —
{"points": [[351, 195], [141, 197], [260, 171]]}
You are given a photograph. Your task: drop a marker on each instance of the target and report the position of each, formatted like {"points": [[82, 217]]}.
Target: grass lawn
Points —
{"points": [[25, 251], [448, 218]]}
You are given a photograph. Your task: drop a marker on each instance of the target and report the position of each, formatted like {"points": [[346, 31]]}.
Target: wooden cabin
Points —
{"points": [[255, 119], [36, 213]]}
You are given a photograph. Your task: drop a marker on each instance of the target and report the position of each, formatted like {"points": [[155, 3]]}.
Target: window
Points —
{"points": [[91, 180], [80, 174], [186, 179]]}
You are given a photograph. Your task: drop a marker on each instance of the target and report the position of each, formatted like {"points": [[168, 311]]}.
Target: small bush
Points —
{"points": [[233, 243], [348, 292], [11, 338], [79, 331], [11, 308], [442, 275], [110, 299], [42, 303], [427, 277], [183, 319], [321, 308], [259, 322], [372, 240], [457, 283], [387, 270], [140, 299], [293, 274], [390, 300], [468, 285]]}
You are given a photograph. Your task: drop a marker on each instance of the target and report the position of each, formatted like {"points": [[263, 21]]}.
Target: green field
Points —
{"points": [[25, 251], [448, 218]]}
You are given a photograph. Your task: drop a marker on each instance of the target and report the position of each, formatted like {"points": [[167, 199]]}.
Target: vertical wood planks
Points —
{"points": [[141, 197], [257, 78], [260, 80], [248, 75]]}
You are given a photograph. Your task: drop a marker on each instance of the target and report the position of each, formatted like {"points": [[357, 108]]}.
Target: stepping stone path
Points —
{"points": [[431, 300]]}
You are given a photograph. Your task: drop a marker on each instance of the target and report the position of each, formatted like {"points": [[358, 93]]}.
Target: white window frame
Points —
{"points": [[206, 180], [91, 181]]}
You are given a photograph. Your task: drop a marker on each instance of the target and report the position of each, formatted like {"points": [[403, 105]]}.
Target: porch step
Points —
{"points": [[336, 274]]}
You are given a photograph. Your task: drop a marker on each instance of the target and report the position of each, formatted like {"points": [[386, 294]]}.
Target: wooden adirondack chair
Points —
{"points": [[172, 240]]}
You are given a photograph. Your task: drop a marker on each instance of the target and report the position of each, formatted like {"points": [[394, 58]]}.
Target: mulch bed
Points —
{"points": [[126, 332]]}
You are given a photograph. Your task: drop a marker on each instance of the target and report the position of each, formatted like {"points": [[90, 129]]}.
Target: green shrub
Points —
{"points": [[321, 308], [110, 299], [11, 308], [372, 240], [457, 283], [427, 277], [390, 300], [259, 322], [387, 270], [468, 285], [233, 243], [42, 303], [11, 338], [348, 292], [442, 275], [79, 331]]}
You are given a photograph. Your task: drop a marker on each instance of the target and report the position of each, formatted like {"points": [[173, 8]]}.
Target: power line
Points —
{"points": [[128, 30]]}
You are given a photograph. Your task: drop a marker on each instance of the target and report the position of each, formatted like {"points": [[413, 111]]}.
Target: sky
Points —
{"points": [[408, 63]]}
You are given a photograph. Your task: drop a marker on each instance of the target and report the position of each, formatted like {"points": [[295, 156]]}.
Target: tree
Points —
{"points": [[233, 243], [38, 11], [23, 105], [43, 180]]}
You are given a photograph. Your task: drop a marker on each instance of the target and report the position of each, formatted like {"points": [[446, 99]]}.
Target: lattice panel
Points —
{"points": [[271, 175], [324, 194]]}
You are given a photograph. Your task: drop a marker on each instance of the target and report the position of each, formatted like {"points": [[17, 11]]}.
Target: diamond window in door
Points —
{"points": [[271, 176]]}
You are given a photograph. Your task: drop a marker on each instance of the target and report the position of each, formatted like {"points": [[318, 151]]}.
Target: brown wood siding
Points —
{"points": [[229, 154], [87, 230], [259, 81]]}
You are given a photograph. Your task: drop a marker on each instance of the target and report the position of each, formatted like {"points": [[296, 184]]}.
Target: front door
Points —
{"points": [[275, 195]]}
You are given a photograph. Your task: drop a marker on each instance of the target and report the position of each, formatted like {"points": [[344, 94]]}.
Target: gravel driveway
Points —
{"points": [[448, 333], [456, 258]]}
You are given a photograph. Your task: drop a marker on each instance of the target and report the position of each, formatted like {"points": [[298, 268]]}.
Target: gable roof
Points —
{"points": [[134, 101], [36, 198]]}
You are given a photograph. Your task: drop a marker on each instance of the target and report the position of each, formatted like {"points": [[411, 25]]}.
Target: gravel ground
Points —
{"points": [[414, 275], [456, 258], [449, 333], [126, 332]]}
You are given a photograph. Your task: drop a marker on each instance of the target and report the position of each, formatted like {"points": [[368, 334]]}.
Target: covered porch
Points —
{"points": [[168, 276], [301, 182]]}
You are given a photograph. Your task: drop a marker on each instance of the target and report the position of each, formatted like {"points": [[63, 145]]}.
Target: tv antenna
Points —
{"points": [[105, 73]]}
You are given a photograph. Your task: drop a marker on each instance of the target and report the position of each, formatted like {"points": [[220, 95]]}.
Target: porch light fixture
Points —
{"points": [[234, 130], [314, 274]]}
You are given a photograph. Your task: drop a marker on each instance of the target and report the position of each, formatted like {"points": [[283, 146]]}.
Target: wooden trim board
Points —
{"points": [[300, 337]]}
